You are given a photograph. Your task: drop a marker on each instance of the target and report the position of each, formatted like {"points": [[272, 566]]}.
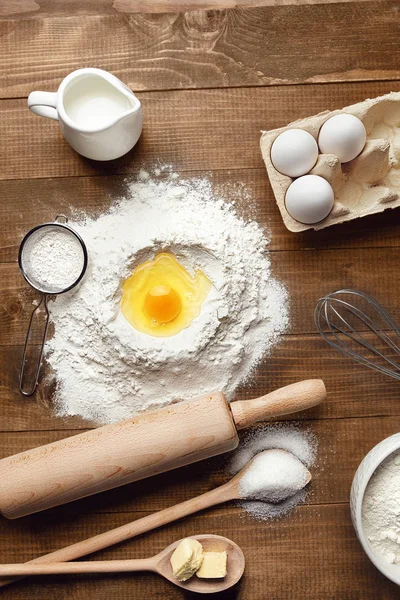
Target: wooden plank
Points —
{"points": [[311, 554], [199, 130], [19, 413], [342, 444], [353, 391], [198, 49], [28, 203], [307, 276], [65, 8]]}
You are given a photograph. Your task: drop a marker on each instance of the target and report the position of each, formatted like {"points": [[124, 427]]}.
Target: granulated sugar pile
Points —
{"points": [[106, 370], [300, 443], [273, 476]]}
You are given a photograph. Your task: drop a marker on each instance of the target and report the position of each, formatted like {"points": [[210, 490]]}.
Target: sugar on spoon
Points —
{"points": [[270, 476]]}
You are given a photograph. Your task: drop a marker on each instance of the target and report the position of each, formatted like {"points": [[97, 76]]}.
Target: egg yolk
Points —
{"points": [[162, 304], [161, 298]]}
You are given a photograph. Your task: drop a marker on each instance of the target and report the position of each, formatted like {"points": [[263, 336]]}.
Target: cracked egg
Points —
{"points": [[161, 297]]}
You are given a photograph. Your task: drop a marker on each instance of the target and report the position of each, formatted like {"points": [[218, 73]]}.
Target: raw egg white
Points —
{"points": [[294, 152], [309, 199], [161, 298], [343, 135]]}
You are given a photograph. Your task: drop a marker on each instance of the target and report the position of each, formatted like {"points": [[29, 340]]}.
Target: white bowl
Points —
{"points": [[363, 474]]}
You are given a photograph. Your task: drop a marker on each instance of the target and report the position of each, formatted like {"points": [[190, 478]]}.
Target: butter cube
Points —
{"points": [[186, 559], [213, 565]]}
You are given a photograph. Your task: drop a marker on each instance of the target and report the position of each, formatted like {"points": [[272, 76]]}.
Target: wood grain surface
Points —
{"points": [[65, 8], [209, 82], [281, 45]]}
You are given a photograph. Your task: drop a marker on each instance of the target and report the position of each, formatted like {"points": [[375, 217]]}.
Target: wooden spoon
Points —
{"points": [[160, 563], [225, 493]]}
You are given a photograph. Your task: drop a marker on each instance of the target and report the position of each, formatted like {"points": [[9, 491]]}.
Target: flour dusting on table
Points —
{"points": [[106, 370]]}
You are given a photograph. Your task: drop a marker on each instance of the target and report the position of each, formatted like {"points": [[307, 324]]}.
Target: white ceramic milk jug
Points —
{"points": [[98, 114]]}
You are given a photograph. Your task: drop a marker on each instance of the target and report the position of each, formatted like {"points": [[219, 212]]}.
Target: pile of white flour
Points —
{"points": [[106, 370]]}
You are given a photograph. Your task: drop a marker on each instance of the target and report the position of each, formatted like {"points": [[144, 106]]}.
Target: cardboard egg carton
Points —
{"points": [[368, 184]]}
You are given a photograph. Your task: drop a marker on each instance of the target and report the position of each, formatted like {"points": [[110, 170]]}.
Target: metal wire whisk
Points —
{"points": [[359, 327]]}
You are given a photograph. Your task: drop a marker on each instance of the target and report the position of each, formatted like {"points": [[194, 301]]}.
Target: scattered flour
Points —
{"points": [[106, 370], [381, 509], [301, 443]]}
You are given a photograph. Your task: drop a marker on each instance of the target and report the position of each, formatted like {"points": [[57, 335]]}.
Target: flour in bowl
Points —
{"points": [[381, 509], [105, 369]]}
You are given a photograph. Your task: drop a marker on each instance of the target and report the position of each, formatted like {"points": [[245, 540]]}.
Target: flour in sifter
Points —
{"points": [[52, 258]]}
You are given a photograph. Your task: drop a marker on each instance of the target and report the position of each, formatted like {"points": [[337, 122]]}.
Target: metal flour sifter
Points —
{"points": [[48, 239]]}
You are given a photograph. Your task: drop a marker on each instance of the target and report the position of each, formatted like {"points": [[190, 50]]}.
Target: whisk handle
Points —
{"points": [[31, 390]]}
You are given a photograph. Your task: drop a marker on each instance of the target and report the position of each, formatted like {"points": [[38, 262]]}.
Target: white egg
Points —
{"points": [[343, 135], [294, 152], [309, 199]]}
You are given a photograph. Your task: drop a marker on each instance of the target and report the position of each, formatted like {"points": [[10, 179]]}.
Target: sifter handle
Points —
{"points": [[31, 390], [289, 399]]}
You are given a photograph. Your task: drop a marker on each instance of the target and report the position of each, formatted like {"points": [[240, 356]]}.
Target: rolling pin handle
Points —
{"points": [[292, 398]]}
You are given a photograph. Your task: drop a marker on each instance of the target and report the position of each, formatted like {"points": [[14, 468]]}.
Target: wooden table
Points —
{"points": [[209, 81]]}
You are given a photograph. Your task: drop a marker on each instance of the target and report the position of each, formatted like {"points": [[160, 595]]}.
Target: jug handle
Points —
{"points": [[43, 104]]}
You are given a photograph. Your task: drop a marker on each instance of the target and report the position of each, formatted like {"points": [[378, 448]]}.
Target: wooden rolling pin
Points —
{"points": [[140, 447]]}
